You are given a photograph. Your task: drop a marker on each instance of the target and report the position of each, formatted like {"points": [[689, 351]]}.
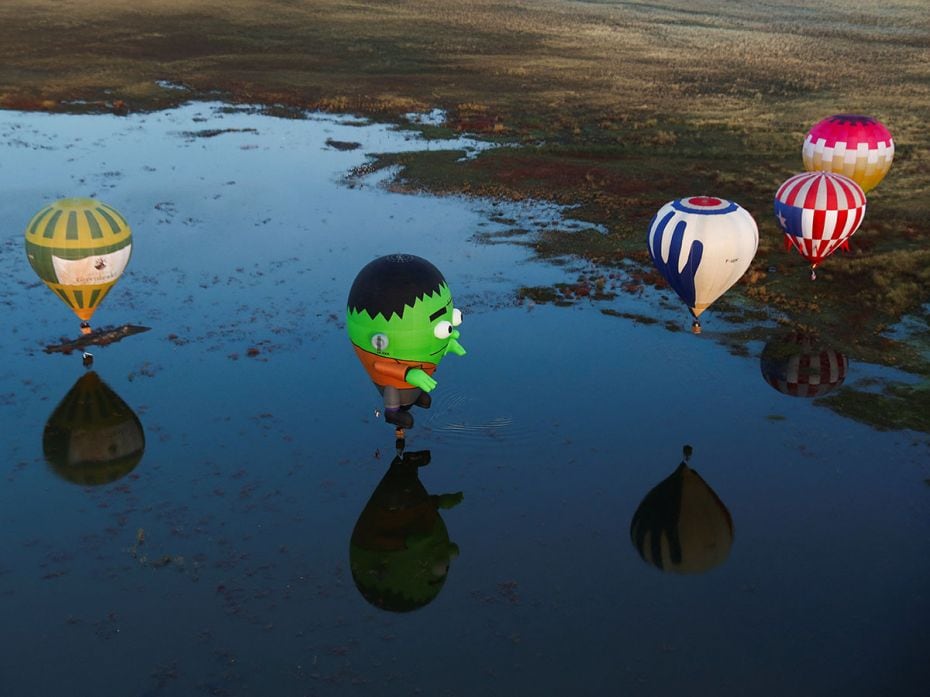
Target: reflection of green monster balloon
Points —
{"points": [[400, 549], [681, 525], [401, 321], [93, 437]]}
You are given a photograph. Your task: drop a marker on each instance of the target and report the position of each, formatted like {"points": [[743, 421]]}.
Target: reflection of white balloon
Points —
{"points": [[682, 526], [702, 245]]}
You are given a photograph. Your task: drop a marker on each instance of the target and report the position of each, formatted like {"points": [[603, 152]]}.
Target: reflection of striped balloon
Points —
{"points": [[93, 436], [702, 245], [855, 146], [682, 526], [79, 247], [795, 365], [818, 212]]}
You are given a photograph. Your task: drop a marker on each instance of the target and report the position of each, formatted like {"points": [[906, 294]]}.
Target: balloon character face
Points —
{"points": [[819, 212], [401, 321], [424, 332], [856, 146], [79, 247]]}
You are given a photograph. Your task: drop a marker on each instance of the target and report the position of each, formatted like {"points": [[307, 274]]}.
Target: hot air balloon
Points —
{"points": [[400, 549], [93, 437], [818, 213], [401, 321], [79, 247], [681, 526], [797, 364], [856, 146], [702, 245]]}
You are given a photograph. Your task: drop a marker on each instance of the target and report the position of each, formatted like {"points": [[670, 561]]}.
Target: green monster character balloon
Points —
{"points": [[401, 321], [400, 549]]}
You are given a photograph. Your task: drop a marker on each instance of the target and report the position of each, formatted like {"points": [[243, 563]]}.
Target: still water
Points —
{"points": [[215, 554]]}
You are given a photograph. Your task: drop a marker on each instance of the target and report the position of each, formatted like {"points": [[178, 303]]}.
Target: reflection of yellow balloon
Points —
{"points": [[79, 247], [682, 526], [93, 437]]}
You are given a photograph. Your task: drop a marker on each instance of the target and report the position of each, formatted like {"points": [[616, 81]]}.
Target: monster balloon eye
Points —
{"points": [[401, 296], [456, 317]]}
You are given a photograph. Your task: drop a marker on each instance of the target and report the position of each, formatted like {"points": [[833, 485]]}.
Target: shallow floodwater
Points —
{"points": [[793, 546]]}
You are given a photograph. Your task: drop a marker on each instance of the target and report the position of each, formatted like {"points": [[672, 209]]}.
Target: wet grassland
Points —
{"points": [[613, 108]]}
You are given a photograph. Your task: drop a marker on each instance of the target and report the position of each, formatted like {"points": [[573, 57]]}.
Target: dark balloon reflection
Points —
{"points": [[400, 550], [681, 526], [799, 365], [93, 437]]}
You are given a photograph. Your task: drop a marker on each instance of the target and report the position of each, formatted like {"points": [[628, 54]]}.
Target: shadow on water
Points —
{"points": [[216, 562]]}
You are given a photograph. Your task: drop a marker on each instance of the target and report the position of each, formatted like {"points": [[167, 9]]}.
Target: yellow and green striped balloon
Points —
{"points": [[79, 247]]}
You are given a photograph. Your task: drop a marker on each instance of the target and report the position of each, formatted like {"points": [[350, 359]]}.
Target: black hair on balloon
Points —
{"points": [[388, 284]]}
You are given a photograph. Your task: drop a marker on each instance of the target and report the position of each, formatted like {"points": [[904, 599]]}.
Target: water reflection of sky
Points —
{"points": [[555, 427]]}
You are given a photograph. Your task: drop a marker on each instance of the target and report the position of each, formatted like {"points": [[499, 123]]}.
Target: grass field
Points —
{"points": [[617, 106]]}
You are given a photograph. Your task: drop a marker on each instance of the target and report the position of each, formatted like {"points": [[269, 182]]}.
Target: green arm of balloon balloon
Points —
{"points": [[418, 378], [447, 501], [454, 346]]}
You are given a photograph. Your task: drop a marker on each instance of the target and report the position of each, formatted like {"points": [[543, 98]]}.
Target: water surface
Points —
{"points": [[218, 563]]}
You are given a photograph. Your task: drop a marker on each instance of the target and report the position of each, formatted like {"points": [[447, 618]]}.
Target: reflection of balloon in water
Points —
{"points": [[819, 212], [681, 525], [795, 364], [93, 437], [401, 321], [400, 549], [702, 245], [856, 146], [79, 247]]}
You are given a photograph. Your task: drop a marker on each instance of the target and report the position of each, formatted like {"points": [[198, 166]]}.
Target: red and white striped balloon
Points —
{"points": [[819, 212]]}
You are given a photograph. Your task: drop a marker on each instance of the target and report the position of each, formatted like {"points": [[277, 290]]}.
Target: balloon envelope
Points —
{"points": [[819, 212], [702, 245], [856, 146], [79, 247], [798, 365]]}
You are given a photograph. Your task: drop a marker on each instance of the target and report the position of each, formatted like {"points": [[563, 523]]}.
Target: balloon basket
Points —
{"points": [[695, 327]]}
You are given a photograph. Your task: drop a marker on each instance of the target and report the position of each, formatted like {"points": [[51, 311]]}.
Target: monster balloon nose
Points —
{"points": [[401, 322]]}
